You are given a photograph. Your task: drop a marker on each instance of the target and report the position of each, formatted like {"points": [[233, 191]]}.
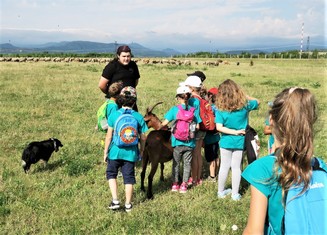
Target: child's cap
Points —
{"points": [[213, 90], [128, 90], [193, 81], [200, 74], [270, 103], [182, 90]]}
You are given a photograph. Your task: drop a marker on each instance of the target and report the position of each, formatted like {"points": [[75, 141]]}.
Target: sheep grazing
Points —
{"points": [[157, 149]]}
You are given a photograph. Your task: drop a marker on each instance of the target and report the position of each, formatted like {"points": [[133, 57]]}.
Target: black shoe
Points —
{"points": [[128, 208], [114, 206]]}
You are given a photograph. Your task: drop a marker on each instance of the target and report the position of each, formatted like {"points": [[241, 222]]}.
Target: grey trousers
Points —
{"points": [[182, 153]]}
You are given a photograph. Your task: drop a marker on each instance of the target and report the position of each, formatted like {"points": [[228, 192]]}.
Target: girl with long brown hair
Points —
{"points": [[292, 117]]}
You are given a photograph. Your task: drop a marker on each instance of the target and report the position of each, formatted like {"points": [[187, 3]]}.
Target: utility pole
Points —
{"points": [[301, 40], [308, 43]]}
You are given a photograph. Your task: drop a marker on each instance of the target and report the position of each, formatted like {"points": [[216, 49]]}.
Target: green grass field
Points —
{"points": [[70, 196]]}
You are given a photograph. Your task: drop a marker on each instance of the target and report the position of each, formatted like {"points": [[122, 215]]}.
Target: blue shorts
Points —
{"points": [[211, 151], [127, 169]]}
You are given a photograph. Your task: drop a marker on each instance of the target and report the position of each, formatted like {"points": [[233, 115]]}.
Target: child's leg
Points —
{"points": [[187, 156], [225, 164], [111, 173], [197, 161], [217, 166], [212, 168], [176, 160], [128, 193], [200, 159], [128, 171], [113, 189], [236, 170]]}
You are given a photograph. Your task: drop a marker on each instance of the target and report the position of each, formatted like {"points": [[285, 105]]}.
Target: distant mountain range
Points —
{"points": [[84, 47]]}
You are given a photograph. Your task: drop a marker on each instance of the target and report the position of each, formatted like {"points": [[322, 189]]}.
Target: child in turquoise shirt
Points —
{"points": [[182, 149]]}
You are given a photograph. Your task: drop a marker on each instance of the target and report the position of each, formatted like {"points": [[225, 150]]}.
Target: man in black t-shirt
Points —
{"points": [[122, 69]]}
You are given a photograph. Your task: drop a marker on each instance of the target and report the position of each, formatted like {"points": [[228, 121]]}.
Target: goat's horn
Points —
{"points": [[149, 110]]}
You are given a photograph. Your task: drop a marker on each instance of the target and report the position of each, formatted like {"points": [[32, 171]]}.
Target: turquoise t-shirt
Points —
{"points": [[212, 137], [271, 139], [125, 153], [236, 120], [111, 108], [257, 174], [171, 116]]}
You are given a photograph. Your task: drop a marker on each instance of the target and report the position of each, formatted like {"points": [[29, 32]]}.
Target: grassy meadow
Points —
{"points": [[70, 196]]}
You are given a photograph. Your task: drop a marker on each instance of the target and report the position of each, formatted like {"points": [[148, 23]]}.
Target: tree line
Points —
{"points": [[293, 54]]}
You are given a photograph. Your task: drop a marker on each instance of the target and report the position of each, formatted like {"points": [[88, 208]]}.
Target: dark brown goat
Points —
{"points": [[157, 149]]}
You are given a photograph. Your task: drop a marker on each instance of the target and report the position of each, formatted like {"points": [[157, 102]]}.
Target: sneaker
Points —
{"points": [[114, 206], [128, 207], [190, 181], [199, 182], [175, 187], [224, 193], [183, 188], [211, 179], [236, 197]]}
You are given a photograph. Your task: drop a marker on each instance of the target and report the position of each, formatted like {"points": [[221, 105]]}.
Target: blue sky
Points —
{"points": [[159, 24]]}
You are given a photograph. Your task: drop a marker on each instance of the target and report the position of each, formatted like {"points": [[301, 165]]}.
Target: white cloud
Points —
{"points": [[163, 22]]}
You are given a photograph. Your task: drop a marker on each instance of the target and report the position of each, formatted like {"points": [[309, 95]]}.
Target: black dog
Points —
{"points": [[39, 150]]}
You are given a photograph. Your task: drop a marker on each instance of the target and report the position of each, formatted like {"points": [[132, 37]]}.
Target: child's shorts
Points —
{"points": [[211, 151], [127, 170]]}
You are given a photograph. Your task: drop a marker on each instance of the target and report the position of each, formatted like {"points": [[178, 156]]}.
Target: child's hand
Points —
{"points": [[240, 132], [105, 158]]}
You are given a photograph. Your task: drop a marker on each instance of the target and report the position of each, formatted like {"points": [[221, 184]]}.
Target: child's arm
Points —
{"points": [[107, 143], [252, 98], [267, 130], [229, 131], [164, 123], [258, 211], [142, 143]]}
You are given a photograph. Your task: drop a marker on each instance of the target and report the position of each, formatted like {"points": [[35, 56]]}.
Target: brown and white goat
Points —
{"points": [[157, 149]]}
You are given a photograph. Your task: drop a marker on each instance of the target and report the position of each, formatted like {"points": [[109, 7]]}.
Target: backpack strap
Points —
{"points": [[180, 107], [318, 164], [196, 96]]}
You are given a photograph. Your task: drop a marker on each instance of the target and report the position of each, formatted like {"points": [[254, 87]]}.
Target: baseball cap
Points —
{"points": [[182, 90], [128, 90], [193, 81], [213, 90], [200, 74]]}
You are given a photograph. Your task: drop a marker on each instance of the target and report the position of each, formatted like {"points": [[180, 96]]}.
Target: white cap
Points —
{"points": [[183, 90], [193, 81]]}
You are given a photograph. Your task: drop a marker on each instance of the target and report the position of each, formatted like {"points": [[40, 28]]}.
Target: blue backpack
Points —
{"points": [[307, 213], [126, 129]]}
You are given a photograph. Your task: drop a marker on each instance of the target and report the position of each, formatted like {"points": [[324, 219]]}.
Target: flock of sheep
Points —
{"points": [[168, 61]]}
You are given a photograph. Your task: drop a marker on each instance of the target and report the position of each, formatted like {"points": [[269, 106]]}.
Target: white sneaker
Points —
{"points": [[236, 197], [224, 193]]}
